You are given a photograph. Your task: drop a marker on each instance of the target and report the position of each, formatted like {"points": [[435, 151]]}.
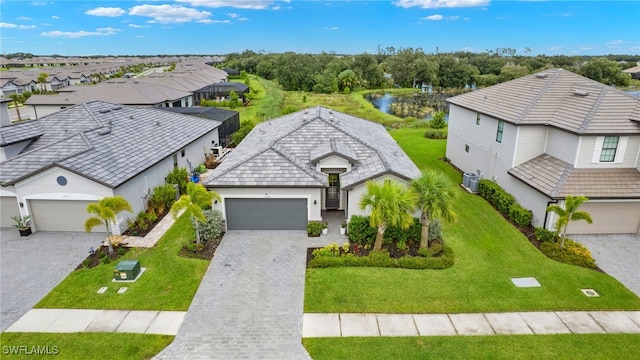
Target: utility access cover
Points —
{"points": [[525, 282]]}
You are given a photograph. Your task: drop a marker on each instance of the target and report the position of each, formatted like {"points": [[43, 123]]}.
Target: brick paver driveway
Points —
{"points": [[32, 266], [250, 302]]}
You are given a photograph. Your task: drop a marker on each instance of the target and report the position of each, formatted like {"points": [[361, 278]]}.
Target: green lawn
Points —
{"points": [[82, 346], [489, 252], [169, 283], [614, 346]]}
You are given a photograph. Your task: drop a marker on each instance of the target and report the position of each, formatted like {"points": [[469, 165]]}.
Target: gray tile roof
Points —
{"points": [[105, 142], [279, 152], [19, 132], [557, 179], [557, 98]]}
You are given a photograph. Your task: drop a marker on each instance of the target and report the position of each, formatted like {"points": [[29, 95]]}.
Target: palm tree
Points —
{"points": [[389, 204], [16, 98], [435, 195], [106, 210], [192, 202], [569, 213], [42, 80]]}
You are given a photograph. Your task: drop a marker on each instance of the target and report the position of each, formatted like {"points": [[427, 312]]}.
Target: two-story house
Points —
{"points": [[552, 134]]}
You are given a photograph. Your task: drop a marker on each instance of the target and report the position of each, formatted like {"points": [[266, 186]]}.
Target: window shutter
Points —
{"points": [[622, 146], [598, 149]]}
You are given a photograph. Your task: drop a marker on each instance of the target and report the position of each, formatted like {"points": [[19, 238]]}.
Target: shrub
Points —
{"points": [[314, 228], [435, 249], [544, 235], [572, 253], [503, 201], [332, 250], [212, 228], [162, 198], [395, 234], [486, 189], [360, 232], [438, 121], [435, 134], [520, 215], [380, 259], [178, 176], [245, 128], [435, 231]]}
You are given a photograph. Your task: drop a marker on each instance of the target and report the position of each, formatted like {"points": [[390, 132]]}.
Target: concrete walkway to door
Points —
{"points": [[250, 302]]}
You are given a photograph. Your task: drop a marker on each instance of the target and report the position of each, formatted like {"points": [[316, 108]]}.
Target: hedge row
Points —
{"points": [[383, 259], [504, 202], [360, 232]]}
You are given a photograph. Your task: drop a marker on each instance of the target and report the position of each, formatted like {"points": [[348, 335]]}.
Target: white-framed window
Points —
{"points": [[500, 131], [478, 119], [466, 148], [609, 149]]}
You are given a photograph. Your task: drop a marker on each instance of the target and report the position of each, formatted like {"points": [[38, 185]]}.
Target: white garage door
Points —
{"points": [[60, 215], [608, 218], [8, 208]]}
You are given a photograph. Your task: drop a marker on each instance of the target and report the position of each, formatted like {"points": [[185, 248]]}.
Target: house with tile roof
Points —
{"points": [[53, 167], [288, 170], [551, 134]]}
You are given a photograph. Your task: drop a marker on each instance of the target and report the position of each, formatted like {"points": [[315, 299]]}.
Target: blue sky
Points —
{"points": [[149, 27]]}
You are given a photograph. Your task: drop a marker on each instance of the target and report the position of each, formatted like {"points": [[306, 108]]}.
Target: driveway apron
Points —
{"points": [[250, 302], [617, 255], [32, 266]]}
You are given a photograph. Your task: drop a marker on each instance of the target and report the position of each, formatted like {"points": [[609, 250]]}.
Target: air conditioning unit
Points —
{"points": [[217, 151], [473, 185], [466, 177]]}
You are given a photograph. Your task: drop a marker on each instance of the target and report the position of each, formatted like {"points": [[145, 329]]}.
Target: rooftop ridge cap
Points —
{"points": [[537, 98], [563, 178], [587, 119], [91, 114], [294, 161]]}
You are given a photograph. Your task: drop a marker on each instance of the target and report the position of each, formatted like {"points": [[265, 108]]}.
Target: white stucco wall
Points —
{"points": [[8, 152], [311, 194], [39, 111], [562, 145], [356, 193], [530, 142], [626, 155]]}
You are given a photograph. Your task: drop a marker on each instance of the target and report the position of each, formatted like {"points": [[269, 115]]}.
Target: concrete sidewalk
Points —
{"points": [[559, 322], [81, 320]]}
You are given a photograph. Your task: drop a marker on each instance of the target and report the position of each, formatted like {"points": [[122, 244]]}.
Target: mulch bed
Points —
{"points": [[359, 250], [207, 253], [102, 252], [140, 233]]}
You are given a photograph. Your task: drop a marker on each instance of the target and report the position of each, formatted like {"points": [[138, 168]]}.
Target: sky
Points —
{"points": [[218, 27]]}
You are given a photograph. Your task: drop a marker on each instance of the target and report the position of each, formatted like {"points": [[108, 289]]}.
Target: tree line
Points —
{"points": [[409, 67]]}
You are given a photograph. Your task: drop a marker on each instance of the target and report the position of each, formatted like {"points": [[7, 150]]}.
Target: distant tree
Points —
{"points": [[234, 100], [105, 212], [347, 79], [325, 82], [569, 213], [245, 128], [511, 71], [389, 204], [366, 66], [438, 120], [605, 71]]}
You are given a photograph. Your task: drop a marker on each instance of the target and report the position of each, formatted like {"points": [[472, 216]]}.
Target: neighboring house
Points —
{"points": [[231, 71], [552, 134], [119, 91], [634, 72], [60, 163], [229, 121], [221, 91], [287, 170]]}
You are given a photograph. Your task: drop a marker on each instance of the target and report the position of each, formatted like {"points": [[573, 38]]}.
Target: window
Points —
{"points": [[500, 131], [466, 148], [609, 147], [175, 160], [182, 153], [478, 119]]}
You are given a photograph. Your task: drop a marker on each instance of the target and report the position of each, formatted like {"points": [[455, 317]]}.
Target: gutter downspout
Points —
{"points": [[546, 213]]}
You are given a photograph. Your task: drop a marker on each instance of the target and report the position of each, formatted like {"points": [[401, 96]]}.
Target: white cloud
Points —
{"points": [[615, 42], [24, 18], [55, 17], [244, 4], [140, 36], [243, 19], [136, 26], [14, 26], [232, 15], [435, 4], [210, 21], [332, 28], [39, 3], [438, 17], [169, 13], [108, 31], [106, 11]]}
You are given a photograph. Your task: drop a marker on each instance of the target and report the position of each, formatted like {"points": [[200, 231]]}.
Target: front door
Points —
{"points": [[333, 192]]}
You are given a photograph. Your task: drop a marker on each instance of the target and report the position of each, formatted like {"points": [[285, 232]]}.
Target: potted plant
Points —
{"points": [[343, 227], [23, 223], [325, 228]]}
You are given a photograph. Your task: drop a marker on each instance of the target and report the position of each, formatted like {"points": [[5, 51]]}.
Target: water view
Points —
{"points": [[416, 105]]}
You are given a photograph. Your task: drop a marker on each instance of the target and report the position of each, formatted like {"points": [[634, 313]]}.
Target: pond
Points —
{"points": [[418, 105]]}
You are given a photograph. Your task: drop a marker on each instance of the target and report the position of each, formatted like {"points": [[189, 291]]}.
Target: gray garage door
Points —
{"points": [[60, 215], [8, 208], [266, 214]]}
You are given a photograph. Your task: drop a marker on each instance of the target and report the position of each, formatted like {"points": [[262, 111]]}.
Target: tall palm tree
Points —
{"points": [[389, 203], [42, 80], [16, 98], [569, 213], [106, 210], [435, 195], [192, 202]]}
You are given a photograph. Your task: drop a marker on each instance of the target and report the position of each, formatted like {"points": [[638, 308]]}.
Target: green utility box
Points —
{"points": [[127, 270]]}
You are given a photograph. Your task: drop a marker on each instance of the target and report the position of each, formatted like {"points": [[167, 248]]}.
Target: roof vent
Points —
{"points": [[104, 131], [104, 111], [580, 92], [157, 123], [116, 108], [541, 75]]}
